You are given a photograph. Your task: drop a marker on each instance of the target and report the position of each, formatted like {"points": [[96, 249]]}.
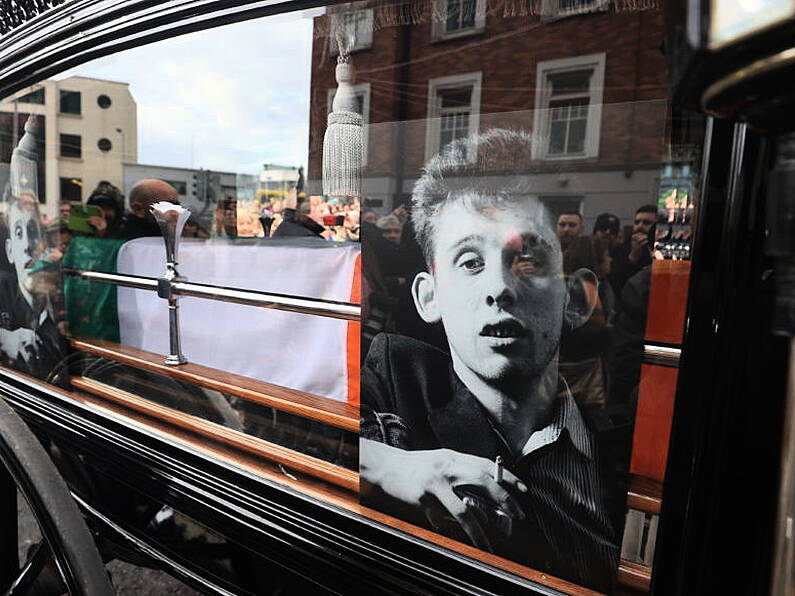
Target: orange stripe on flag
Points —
{"points": [[354, 337]]}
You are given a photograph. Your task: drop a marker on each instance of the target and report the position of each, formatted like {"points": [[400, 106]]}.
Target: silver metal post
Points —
{"points": [[171, 219]]}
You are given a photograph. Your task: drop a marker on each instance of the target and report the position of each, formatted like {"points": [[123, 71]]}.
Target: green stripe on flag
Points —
{"points": [[92, 307]]}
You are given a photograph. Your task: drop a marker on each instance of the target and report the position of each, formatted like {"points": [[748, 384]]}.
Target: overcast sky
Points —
{"points": [[225, 99]]}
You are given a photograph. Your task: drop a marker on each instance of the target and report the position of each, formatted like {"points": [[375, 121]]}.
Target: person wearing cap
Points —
{"points": [[607, 228]]}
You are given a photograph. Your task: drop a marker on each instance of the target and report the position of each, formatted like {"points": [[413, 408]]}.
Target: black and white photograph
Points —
{"points": [[481, 439], [29, 336]]}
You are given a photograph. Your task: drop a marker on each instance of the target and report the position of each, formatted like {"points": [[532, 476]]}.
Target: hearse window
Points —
{"points": [[369, 250]]}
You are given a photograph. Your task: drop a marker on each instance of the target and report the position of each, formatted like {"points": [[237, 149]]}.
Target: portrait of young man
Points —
{"points": [[484, 442], [29, 338]]}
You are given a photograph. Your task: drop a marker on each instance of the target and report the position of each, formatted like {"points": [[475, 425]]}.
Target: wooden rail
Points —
{"points": [[644, 494], [305, 464], [314, 407], [635, 576]]}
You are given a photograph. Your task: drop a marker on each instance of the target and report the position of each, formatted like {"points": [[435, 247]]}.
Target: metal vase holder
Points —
{"points": [[171, 219]]}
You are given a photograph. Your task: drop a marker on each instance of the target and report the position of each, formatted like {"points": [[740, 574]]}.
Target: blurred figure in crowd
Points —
{"points": [[294, 222], [607, 227], [569, 227], [63, 209], [226, 218], [583, 350], [638, 255], [109, 224], [390, 227], [139, 221], [630, 324], [370, 216], [108, 189]]}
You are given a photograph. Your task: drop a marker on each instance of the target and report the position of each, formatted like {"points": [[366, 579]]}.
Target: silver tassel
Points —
{"points": [[24, 165], [343, 141]]}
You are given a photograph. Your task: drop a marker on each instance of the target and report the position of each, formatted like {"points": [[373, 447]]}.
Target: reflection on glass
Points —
{"points": [[305, 436], [498, 182]]}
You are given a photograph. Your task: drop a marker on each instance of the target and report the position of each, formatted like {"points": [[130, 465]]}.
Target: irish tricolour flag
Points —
{"points": [[309, 353]]}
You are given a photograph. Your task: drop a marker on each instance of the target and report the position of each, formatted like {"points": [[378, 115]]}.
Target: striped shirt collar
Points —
{"points": [[567, 417]]}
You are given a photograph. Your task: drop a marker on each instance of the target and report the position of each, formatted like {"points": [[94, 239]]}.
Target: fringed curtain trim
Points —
{"points": [[414, 12]]}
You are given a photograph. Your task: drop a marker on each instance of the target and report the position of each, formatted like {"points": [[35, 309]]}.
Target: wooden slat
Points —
{"points": [[635, 576], [653, 419], [645, 494], [303, 463], [292, 401], [665, 321]]}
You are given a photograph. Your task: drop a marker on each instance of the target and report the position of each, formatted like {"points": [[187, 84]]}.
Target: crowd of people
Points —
{"points": [[601, 360], [331, 218]]}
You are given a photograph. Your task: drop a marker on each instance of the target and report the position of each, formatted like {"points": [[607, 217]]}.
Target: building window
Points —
{"points": [[566, 204], [569, 107], [179, 185], [104, 145], [71, 190], [356, 28], [103, 101], [453, 110], [35, 96], [566, 8], [70, 102], [456, 18], [71, 146], [362, 94]]}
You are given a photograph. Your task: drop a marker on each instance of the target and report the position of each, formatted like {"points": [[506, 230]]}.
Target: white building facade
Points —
{"points": [[90, 130]]}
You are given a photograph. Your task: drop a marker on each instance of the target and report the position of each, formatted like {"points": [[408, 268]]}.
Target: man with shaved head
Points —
{"points": [[139, 221]]}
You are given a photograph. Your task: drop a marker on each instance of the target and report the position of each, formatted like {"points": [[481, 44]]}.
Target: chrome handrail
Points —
{"points": [[309, 306], [661, 355]]}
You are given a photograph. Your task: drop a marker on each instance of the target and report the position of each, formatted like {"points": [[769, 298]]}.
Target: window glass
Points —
{"points": [[460, 14], [71, 190], [36, 96], [393, 240], [71, 145], [70, 102]]}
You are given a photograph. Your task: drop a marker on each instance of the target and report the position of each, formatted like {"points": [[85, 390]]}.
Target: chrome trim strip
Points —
{"points": [[308, 306], [171, 566], [117, 279], [661, 355]]}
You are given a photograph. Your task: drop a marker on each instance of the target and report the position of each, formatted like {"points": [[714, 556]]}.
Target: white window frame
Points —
{"points": [[364, 90], [433, 128], [361, 44], [551, 9], [541, 117], [439, 30]]}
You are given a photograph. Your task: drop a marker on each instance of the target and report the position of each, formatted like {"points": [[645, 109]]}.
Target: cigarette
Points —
{"points": [[498, 468]]}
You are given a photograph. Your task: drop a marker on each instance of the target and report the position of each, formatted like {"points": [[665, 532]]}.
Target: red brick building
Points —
{"points": [[587, 77]]}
